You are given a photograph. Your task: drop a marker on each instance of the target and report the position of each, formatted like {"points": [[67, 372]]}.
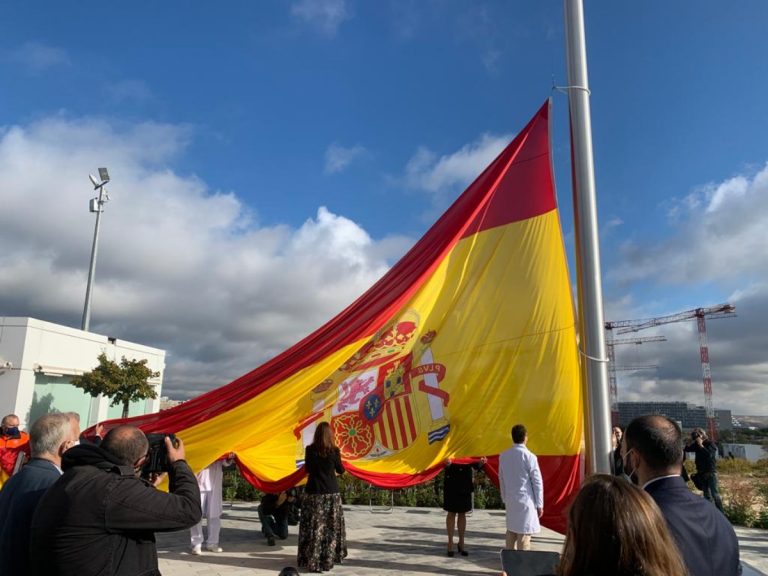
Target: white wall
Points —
{"points": [[30, 349], [751, 452]]}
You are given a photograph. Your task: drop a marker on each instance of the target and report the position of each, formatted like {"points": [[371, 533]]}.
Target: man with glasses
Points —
{"points": [[652, 450]]}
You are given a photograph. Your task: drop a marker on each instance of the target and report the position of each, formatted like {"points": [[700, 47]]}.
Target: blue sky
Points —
{"points": [[292, 151]]}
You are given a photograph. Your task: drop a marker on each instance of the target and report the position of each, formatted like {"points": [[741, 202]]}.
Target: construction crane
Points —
{"points": [[713, 312], [636, 367], [613, 368]]}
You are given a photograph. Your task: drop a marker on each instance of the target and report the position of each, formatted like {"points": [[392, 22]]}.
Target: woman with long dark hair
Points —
{"points": [[322, 534], [616, 529]]}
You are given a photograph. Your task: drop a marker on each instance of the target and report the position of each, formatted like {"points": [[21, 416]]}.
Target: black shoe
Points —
{"points": [[462, 551], [449, 553], [270, 541]]}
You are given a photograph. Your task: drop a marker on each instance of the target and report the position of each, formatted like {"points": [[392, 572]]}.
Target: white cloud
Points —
{"points": [[129, 90], [338, 158], [405, 18], [326, 15], [446, 175], [730, 189], [720, 234], [181, 266], [718, 240], [611, 225], [37, 57], [491, 59]]}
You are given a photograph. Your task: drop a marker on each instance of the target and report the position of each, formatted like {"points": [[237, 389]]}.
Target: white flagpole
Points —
{"points": [[592, 342]]}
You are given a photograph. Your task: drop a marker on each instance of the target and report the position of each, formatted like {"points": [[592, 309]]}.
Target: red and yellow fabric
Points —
{"points": [[471, 332]]}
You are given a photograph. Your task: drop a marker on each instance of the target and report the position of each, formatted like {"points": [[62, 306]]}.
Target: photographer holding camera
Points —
{"points": [[100, 517], [705, 478]]}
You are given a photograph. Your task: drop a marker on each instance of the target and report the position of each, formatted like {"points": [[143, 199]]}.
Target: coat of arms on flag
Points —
{"points": [[382, 398]]}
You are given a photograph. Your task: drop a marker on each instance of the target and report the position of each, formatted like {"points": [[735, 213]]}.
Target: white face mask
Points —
{"points": [[627, 472]]}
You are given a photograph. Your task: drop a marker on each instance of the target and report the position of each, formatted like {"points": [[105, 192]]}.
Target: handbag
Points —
{"points": [[698, 480]]}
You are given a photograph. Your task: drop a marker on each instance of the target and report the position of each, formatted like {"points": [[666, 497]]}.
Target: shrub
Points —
{"points": [[761, 521], [738, 503], [738, 466], [235, 487]]}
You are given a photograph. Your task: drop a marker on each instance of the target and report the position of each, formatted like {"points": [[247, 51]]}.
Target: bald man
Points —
{"points": [[101, 489]]}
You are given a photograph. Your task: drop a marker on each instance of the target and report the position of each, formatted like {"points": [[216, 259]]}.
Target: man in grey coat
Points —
{"points": [[50, 436]]}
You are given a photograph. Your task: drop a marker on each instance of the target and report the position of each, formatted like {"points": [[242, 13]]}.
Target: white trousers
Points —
{"points": [[214, 526]]}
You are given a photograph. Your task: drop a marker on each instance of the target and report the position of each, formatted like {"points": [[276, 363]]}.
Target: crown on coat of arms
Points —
{"points": [[392, 341]]}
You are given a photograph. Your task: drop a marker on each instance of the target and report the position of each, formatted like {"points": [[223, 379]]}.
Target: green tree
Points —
{"points": [[123, 383]]}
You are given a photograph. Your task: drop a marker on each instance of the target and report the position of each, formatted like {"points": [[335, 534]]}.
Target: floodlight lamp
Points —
{"points": [[104, 175]]}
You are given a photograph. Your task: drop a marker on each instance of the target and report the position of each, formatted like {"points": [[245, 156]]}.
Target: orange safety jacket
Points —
{"points": [[10, 447]]}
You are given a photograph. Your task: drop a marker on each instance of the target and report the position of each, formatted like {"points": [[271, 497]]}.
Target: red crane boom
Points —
{"points": [[714, 312]]}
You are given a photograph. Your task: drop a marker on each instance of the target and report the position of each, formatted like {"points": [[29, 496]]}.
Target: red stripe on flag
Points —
{"points": [[403, 437], [519, 181], [411, 422], [395, 445], [561, 476]]}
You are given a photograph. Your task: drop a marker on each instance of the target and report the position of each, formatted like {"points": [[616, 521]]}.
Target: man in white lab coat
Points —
{"points": [[522, 490], [210, 482]]}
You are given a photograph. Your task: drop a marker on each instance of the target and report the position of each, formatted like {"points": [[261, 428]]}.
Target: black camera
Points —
{"points": [[157, 455]]}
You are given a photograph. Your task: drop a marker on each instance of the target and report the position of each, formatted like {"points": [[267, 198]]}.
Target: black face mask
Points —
{"points": [[12, 431]]}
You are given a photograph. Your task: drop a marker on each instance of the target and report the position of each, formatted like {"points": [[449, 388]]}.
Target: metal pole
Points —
{"points": [[592, 342], [92, 270]]}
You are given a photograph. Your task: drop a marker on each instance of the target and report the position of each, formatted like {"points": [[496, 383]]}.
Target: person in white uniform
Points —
{"points": [[522, 490], [210, 482]]}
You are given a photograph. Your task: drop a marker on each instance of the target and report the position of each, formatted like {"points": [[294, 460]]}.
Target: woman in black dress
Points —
{"points": [[457, 499], [322, 534]]}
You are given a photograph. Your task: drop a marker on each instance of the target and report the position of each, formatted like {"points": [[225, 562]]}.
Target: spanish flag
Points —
{"points": [[470, 333]]}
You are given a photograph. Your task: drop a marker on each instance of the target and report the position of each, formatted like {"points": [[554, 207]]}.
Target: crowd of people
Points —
{"points": [[94, 510]]}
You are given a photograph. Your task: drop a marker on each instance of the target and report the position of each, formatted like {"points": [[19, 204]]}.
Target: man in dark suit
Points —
{"points": [[51, 435], [653, 450]]}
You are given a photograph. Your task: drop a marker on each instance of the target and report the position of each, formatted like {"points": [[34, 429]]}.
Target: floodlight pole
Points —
{"points": [[592, 342], [99, 203]]}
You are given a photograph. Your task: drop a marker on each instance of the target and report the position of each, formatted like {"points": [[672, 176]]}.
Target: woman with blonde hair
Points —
{"points": [[322, 533], [616, 529]]}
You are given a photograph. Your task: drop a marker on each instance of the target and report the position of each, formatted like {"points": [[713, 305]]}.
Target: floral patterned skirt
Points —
{"points": [[322, 534]]}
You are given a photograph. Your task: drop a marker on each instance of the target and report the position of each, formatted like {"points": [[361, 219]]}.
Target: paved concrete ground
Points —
{"points": [[403, 541]]}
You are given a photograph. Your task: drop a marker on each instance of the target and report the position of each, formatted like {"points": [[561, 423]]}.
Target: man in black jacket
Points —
{"points": [[706, 465], [273, 513], [653, 450], [100, 517]]}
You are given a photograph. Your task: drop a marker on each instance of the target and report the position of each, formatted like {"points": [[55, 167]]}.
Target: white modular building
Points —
{"points": [[750, 452], [38, 359]]}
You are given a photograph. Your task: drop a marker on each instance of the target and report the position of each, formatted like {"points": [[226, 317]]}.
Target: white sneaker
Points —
{"points": [[216, 549], [197, 550]]}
